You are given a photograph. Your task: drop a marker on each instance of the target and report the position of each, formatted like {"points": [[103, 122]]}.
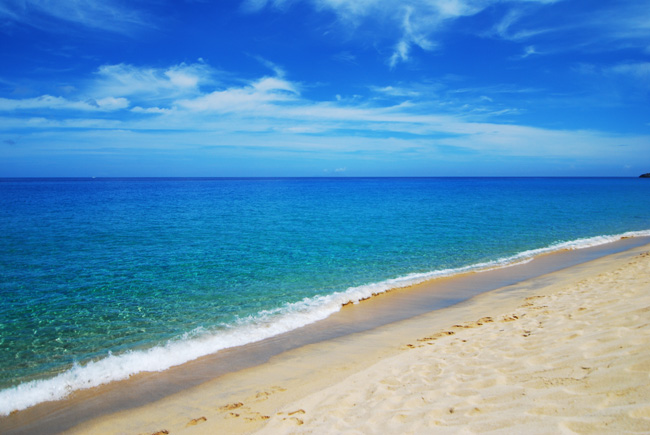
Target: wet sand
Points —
{"points": [[205, 396]]}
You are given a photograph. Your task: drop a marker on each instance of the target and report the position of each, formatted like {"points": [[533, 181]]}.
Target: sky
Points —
{"points": [[224, 88]]}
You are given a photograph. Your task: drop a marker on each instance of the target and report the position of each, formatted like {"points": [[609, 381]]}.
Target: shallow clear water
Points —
{"points": [[159, 271]]}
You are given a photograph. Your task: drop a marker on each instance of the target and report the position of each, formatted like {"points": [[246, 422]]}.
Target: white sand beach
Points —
{"points": [[573, 359], [568, 352]]}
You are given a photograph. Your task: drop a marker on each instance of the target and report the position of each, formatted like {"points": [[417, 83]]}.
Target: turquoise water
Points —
{"points": [[104, 278]]}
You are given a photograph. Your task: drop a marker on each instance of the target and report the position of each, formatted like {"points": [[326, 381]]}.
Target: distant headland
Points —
{"points": [[645, 175]]}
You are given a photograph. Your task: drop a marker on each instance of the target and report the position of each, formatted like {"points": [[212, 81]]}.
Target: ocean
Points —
{"points": [[101, 279]]}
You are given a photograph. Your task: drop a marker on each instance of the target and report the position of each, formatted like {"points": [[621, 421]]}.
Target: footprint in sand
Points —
{"points": [[263, 395], [437, 336], [196, 421], [510, 318], [256, 416], [231, 406], [297, 421], [299, 411]]}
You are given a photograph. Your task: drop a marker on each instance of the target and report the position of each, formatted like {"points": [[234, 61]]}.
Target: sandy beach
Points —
{"points": [[570, 359], [566, 352]]}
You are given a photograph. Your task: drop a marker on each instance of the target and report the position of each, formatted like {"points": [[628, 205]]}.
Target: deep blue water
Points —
{"points": [[159, 271]]}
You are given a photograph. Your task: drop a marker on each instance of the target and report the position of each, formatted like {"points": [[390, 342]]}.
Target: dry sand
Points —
{"points": [[568, 352]]}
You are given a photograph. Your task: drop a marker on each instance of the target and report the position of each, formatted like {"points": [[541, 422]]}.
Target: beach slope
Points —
{"points": [[572, 358], [567, 352]]}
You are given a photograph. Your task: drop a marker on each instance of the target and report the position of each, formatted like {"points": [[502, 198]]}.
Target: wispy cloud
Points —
{"points": [[516, 24], [414, 23], [345, 56], [624, 24], [107, 15], [173, 98], [412, 35], [529, 50], [397, 91], [271, 112], [152, 84], [401, 27], [634, 75], [603, 27], [60, 103], [255, 97], [625, 78], [638, 70]]}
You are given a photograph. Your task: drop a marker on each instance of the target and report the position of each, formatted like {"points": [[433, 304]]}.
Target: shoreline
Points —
{"points": [[342, 383], [571, 356], [337, 330]]}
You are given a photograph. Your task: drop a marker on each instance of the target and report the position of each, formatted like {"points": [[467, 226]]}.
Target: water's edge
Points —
{"points": [[493, 275]]}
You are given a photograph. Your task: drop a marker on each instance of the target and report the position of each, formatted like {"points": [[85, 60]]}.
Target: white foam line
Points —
{"points": [[265, 324]]}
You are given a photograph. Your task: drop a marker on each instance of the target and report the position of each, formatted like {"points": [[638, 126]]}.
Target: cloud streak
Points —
{"points": [[152, 84], [416, 23], [46, 102], [637, 70], [271, 112], [422, 24], [106, 15], [258, 96]]}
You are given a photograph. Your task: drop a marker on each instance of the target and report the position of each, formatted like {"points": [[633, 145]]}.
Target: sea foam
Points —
{"points": [[263, 325]]}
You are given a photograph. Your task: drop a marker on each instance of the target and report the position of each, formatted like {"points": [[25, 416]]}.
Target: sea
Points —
{"points": [[101, 279]]}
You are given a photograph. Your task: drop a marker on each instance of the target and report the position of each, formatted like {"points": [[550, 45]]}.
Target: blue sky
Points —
{"points": [[324, 87]]}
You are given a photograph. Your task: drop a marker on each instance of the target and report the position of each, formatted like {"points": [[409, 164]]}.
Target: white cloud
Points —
{"points": [[47, 126], [277, 69], [371, 131], [408, 24], [181, 80], [273, 85], [272, 108], [605, 26], [400, 54], [416, 21], [112, 103], [511, 28], [502, 27], [115, 87], [529, 50], [397, 91], [254, 97], [60, 103], [412, 34], [412, 23], [158, 110]]}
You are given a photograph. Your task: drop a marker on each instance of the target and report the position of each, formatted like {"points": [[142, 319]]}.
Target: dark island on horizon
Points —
{"points": [[645, 175]]}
